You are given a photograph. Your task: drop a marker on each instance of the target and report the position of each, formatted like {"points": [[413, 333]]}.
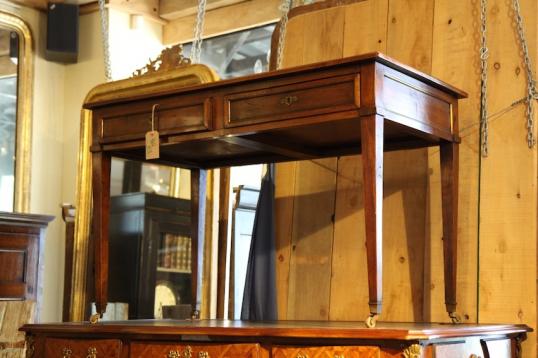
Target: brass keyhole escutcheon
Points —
{"points": [[92, 352], [288, 101], [173, 354], [66, 353]]}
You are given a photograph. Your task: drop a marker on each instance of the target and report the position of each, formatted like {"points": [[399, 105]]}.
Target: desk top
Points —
{"points": [[281, 329], [299, 113], [93, 103]]}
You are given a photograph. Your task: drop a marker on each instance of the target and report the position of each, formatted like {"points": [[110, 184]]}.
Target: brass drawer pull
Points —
{"points": [[66, 353], [92, 352], [173, 354], [300, 355], [288, 101], [203, 355], [187, 353]]}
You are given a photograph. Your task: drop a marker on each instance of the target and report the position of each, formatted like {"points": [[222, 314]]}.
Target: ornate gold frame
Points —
{"points": [[25, 79], [135, 87]]}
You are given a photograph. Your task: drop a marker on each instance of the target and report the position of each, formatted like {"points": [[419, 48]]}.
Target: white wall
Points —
{"points": [[47, 148]]}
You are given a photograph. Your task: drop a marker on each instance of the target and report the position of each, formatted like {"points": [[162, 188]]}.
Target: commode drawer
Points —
{"points": [[303, 99], [82, 348], [167, 350], [326, 352]]}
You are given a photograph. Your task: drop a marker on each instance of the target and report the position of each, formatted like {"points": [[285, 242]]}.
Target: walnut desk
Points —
{"points": [[366, 104]]}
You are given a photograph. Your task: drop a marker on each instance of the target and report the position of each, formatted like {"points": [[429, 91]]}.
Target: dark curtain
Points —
{"points": [[259, 297]]}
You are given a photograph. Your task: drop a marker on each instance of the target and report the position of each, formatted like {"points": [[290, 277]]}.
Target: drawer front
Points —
{"points": [[292, 101], [326, 352], [170, 118], [158, 350], [82, 348]]}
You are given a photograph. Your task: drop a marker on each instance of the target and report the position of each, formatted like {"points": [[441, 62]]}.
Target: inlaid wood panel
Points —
{"points": [[82, 348], [167, 350], [326, 352]]}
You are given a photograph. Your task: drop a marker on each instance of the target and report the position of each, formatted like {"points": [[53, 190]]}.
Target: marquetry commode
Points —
{"points": [[287, 339]]}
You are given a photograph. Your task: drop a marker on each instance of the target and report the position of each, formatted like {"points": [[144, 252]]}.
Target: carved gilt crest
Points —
{"points": [[169, 59]]}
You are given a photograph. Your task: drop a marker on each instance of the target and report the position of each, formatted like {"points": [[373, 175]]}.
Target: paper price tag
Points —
{"points": [[152, 145]]}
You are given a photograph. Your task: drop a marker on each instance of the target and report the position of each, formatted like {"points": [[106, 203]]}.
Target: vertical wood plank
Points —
{"points": [[455, 60], [409, 39], [508, 193], [285, 179], [315, 185], [365, 27], [349, 283], [284, 199]]}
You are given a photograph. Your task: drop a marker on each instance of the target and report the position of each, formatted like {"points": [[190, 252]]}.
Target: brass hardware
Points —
{"points": [[169, 59], [94, 318], [203, 355], [300, 355], [454, 317], [413, 351], [289, 100], [451, 109], [92, 352], [66, 352], [371, 320], [173, 354], [187, 353]]}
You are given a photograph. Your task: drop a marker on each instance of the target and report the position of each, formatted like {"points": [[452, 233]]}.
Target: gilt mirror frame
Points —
{"points": [[143, 82], [23, 142]]}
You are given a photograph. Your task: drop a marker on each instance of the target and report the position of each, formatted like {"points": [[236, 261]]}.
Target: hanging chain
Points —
{"points": [[532, 93], [196, 50], [484, 54], [285, 9], [103, 13]]}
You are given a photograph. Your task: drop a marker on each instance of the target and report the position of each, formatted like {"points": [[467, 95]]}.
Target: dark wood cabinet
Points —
{"points": [[149, 247], [20, 242]]}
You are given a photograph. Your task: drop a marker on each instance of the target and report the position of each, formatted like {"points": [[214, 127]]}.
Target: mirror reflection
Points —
{"points": [[8, 116], [150, 244]]}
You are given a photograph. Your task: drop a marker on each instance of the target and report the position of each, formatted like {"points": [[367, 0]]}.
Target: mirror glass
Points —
{"points": [[9, 55]]}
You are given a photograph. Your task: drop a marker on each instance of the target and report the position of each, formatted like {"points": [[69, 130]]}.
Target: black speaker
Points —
{"points": [[62, 32]]}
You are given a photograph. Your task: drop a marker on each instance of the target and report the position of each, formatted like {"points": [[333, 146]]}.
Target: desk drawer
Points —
{"points": [[326, 352], [167, 350], [292, 101], [117, 125], [82, 348]]}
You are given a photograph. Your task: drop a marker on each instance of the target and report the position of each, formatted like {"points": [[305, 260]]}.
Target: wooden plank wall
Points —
{"points": [[320, 225]]}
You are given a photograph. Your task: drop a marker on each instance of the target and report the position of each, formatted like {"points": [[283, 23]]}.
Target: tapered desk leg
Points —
{"points": [[198, 200], [372, 158], [101, 205], [449, 181]]}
